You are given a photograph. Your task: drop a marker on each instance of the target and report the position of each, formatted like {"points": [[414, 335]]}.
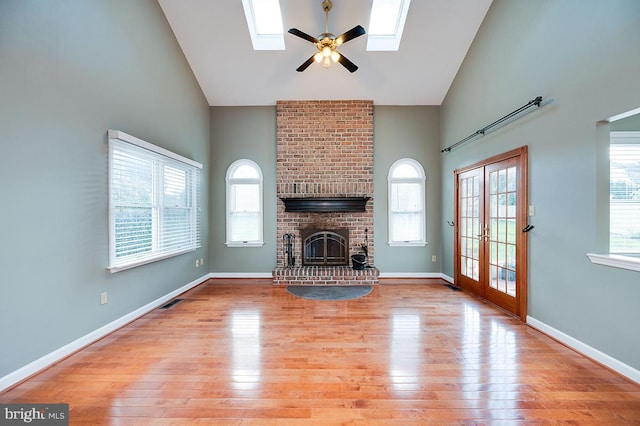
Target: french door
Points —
{"points": [[491, 239]]}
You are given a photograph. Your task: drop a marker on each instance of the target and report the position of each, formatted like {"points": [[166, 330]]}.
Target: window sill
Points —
{"points": [[146, 260], [616, 261], [407, 244], [247, 244]]}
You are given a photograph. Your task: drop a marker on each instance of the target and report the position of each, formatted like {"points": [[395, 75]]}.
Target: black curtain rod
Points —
{"points": [[537, 101]]}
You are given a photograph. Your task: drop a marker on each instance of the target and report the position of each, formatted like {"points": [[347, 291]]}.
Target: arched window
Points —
{"points": [[244, 204], [407, 203]]}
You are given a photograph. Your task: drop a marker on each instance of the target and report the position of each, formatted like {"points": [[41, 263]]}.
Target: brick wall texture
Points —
{"points": [[324, 149]]}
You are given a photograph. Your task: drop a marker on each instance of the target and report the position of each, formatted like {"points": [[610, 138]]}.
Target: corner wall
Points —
{"points": [[584, 57], [242, 132], [69, 71], [250, 132]]}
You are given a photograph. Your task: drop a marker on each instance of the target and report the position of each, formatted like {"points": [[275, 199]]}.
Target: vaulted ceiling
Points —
{"points": [[214, 37]]}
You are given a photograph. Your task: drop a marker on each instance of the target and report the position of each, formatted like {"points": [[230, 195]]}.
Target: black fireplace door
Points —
{"points": [[325, 247]]}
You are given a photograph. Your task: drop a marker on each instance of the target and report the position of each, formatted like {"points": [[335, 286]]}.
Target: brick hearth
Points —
{"points": [[325, 275]]}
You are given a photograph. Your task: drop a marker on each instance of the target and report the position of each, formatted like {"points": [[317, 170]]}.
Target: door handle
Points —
{"points": [[485, 233]]}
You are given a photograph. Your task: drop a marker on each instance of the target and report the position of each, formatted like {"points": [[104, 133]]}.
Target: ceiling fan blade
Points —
{"points": [[306, 64], [354, 32], [346, 63], [297, 32]]}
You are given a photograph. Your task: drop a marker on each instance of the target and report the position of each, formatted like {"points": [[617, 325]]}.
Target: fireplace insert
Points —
{"points": [[325, 247]]}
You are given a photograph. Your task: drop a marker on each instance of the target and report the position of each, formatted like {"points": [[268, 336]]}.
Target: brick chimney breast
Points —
{"points": [[324, 149]]}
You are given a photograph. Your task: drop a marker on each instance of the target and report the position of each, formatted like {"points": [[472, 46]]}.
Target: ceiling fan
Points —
{"points": [[328, 43]]}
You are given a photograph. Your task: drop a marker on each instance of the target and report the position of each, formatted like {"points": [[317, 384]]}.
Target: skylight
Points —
{"points": [[265, 24], [386, 24]]}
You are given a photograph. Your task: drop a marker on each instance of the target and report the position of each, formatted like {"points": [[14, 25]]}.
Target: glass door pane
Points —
{"points": [[470, 225], [502, 229]]}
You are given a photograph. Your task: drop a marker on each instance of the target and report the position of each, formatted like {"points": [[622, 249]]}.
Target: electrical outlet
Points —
{"points": [[103, 298], [433, 258], [197, 263], [532, 211], [201, 261]]}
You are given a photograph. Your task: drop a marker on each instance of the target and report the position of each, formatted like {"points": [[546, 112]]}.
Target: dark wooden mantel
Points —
{"points": [[325, 204]]}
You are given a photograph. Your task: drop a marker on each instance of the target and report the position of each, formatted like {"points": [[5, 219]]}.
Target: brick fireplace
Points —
{"points": [[325, 153]]}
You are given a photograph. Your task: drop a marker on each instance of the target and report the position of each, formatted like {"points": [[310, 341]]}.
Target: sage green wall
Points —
{"points": [[407, 132], [629, 124], [242, 132], [584, 56], [69, 71], [250, 132]]}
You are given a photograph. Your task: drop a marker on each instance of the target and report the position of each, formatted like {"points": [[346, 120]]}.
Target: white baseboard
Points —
{"points": [[586, 350], [240, 275], [382, 275], [447, 278], [401, 275], [48, 360]]}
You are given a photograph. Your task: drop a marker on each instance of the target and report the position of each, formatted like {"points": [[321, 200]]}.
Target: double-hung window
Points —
{"points": [[154, 210], [244, 204], [406, 203], [624, 193]]}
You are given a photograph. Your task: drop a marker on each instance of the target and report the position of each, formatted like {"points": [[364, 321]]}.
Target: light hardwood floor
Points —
{"points": [[243, 353]]}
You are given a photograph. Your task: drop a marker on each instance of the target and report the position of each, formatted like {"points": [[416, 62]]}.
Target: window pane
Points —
{"points": [[133, 231], [245, 227], [405, 171], [406, 202], [406, 197], [175, 187], [131, 178], [406, 227], [176, 226], [152, 207], [624, 190], [245, 197], [245, 171], [244, 203]]}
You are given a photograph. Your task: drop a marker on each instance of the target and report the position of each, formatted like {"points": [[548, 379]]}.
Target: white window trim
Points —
{"points": [[616, 261], [263, 41], [229, 182], [422, 181], [620, 261], [387, 42], [115, 266]]}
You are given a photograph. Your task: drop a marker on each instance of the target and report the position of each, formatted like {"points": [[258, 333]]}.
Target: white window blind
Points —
{"points": [[154, 202], [244, 204], [624, 192], [406, 203]]}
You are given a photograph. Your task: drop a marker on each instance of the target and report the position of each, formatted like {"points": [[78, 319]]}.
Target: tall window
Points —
{"points": [[244, 204], [406, 203], [153, 202], [624, 193]]}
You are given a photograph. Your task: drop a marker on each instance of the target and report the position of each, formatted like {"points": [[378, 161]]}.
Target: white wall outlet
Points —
{"points": [[433, 258], [197, 263], [532, 211], [103, 298]]}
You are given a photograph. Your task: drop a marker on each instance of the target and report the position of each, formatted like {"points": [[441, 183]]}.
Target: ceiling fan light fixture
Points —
{"points": [[326, 43]]}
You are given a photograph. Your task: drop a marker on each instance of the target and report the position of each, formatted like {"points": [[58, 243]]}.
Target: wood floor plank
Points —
{"points": [[242, 353]]}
